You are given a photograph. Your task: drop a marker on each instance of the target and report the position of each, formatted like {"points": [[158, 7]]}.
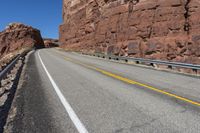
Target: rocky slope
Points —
{"points": [[155, 29], [17, 36]]}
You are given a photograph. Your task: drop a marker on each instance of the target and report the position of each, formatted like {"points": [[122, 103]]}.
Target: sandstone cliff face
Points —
{"points": [[17, 35], [155, 29]]}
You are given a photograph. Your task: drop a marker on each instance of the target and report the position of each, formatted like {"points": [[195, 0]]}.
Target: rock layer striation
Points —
{"points": [[155, 29]]}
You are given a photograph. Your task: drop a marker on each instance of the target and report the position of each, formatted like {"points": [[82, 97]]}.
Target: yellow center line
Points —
{"points": [[126, 80]]}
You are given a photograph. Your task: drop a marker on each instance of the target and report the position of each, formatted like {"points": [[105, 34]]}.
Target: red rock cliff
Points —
{"points": [[17, 35], [156, 29]]}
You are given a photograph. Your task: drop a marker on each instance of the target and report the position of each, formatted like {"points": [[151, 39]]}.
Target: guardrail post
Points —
{"points": [[195, 71], [153, 63], [169, 66]]}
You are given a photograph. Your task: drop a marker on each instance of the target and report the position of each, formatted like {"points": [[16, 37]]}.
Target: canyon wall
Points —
{"points": [[154, 29], [17, 36]]}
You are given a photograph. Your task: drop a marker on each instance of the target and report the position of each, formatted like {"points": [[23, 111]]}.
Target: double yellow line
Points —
{"points": [[129, 81]]}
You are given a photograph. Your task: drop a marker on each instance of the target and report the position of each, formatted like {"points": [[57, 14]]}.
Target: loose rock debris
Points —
{"points": [[7, 91]]}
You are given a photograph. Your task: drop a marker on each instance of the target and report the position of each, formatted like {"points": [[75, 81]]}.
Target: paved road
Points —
{"points": [[67, 92]]}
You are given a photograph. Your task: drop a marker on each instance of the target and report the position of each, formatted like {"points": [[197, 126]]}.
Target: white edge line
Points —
{"points": [[79, 126]]}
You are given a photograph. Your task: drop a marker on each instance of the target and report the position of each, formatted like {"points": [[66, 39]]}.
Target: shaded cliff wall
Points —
{"points": [[155, 29]]}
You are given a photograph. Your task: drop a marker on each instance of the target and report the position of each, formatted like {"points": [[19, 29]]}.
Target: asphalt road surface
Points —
{"points": [[67, 93]]}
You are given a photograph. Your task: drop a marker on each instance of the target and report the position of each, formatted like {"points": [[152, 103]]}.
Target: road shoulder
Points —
{"points": [[29, 99]]}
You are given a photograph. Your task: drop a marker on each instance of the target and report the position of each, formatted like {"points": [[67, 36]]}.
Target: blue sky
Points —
{"points": [[45, 15]]}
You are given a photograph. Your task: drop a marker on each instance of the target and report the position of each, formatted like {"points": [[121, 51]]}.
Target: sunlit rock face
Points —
{"points": [[17, 36], [155, 29]]}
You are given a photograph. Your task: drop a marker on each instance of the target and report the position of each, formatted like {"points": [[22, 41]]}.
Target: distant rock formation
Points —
{"points": [[49, 43], [155, 29], [17, 36]]}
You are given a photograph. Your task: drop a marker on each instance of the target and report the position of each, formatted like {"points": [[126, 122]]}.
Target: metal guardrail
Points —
{"points": [[148, 61], [9, 67]]}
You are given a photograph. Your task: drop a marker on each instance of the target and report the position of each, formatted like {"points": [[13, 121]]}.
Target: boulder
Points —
{"points": [[17, 36]]}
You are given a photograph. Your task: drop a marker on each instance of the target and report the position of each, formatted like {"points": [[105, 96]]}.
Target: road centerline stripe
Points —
{"points": [[130, 81], [78, 124]]}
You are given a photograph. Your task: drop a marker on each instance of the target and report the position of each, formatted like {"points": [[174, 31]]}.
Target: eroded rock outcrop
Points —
{"points": [[49, 43], [155, 29], [17, 36]]}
